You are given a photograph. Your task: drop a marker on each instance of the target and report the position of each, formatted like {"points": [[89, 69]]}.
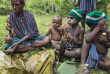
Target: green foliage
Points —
{"points": [[40, 6], [102, 5], [5, 6], [68, 67], [2, 31], [63, 6]]}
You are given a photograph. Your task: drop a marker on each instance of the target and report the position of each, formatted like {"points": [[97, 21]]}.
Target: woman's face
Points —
{"points": [[17, 6]]}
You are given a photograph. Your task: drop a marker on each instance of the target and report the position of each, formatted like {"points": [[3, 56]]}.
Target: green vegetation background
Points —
{"points": [[43, 11]]}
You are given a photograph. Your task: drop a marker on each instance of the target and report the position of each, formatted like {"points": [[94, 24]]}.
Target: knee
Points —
{"points": [[47, 40], [104, 65], [78, 52]]}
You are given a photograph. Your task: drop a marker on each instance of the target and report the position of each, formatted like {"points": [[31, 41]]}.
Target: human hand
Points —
{"points": [[61, 30], [8, 38], [103, 37], [70, 38], [14, 46], [103, 40], [101, 23]]}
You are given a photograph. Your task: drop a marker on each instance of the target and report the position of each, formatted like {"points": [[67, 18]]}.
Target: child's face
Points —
{"points": [[56, 23], [71, 20], [91, 25]]}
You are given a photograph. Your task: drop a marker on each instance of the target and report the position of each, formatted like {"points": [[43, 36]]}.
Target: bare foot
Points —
{"points": [[42, 48], [9, 50]]}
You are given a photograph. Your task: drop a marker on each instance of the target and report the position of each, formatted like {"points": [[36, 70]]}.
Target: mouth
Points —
{"points": [[15, 10], [68, 22]]}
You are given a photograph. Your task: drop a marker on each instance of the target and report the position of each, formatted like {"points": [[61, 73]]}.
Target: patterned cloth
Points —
{"points": [[93, 58], [71, 46], [27, 42], [85, 6], [24, 25], [22, 1]]}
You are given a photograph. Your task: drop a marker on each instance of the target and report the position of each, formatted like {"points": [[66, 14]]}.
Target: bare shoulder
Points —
{"points": [[51, 28], [81, 29]]}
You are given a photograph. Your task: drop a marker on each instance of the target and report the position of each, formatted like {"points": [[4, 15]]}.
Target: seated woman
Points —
{"points": [[22, 27]]}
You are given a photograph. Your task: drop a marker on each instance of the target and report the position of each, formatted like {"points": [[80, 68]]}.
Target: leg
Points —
{"points": [[21, 48], [41, 43], [76, 52], [104, 63], [83, 21], [56, 44], [84, 52]]}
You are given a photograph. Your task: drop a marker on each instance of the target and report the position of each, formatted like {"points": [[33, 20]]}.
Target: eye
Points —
{"points": [[70, 17], [53, 22], [17, 4]]}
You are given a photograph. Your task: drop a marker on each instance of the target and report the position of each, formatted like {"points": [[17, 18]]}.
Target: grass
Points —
{"points": [[40, 19]]}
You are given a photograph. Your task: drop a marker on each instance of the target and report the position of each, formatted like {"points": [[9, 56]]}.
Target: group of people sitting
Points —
{"points": [[93, 51]]}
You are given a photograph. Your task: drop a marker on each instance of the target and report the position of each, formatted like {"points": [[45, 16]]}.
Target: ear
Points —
{"points": [[61, 23]]}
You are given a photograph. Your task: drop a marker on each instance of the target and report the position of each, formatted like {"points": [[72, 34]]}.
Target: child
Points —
{"points": [[55, 33], [74, 33], [94, 51]]}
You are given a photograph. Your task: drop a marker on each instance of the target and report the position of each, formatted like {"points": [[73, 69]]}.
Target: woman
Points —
{"points": [[25, 32]]}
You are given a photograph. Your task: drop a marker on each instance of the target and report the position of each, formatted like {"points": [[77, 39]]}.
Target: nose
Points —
{"points": [[14, 6], [69, 19]]}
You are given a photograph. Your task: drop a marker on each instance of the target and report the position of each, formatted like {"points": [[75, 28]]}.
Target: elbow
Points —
{"points": [[87, 40]]}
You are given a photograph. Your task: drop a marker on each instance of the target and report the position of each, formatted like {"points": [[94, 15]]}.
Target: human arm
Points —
{"points": [[49, 31], [81, 37], [8, 37], [84, 52], [106, 41], [15, 45], [78, 41], [91, 35]]}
